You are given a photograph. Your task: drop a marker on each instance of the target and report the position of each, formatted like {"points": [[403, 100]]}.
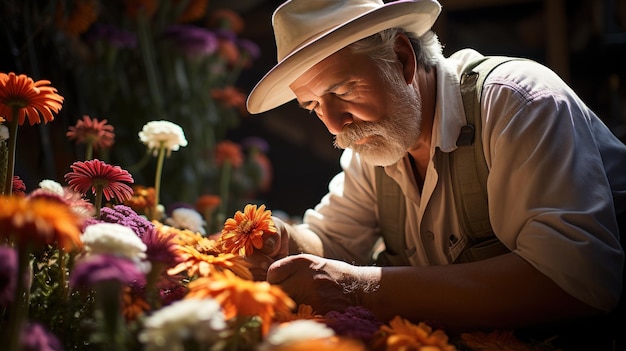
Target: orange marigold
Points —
{"points": [[142, 200], [39, 221], [401, 334], [244, 233], [134, 305], [35, 100], [243, 297]]}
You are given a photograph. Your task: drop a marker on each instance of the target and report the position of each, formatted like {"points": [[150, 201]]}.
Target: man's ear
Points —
{"points": [[406, 57]]}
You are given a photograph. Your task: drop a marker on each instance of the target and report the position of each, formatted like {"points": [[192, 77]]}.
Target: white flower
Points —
{"points": [[115, 239], [298, 330], [157, 134], [166, 329], [187, 218], [4, 133], [52, 186]]}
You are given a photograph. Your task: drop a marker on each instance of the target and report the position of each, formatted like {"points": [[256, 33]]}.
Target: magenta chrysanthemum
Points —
{"points": [[95, 174]]}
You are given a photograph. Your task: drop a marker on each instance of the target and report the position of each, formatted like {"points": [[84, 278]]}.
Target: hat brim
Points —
{"points": [[273, 89]]}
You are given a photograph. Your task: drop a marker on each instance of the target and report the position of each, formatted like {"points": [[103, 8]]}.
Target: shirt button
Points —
{"points": [[429, 235]]}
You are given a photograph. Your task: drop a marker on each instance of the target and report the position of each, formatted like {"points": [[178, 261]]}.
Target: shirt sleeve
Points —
{"points": [[549, 197], [346, 219]]}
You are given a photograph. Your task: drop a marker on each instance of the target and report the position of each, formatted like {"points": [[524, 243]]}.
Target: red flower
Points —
{"points": [[19, 188], [93, 132], [96, 175]]}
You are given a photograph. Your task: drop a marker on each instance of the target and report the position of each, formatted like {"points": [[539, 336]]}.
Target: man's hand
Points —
{"points": [[324, 284], [275, 246]]}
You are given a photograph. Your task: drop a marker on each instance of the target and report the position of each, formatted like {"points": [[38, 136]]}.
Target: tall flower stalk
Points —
{"points": [[161, 137], [21, 97]]}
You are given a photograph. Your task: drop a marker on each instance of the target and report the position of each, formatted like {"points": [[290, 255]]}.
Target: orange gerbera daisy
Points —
{"points": [[401, 334], [242, 297], [39, 221], [243, 233], [21, 94]]}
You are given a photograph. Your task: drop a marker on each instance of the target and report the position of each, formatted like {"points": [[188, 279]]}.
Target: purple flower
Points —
{"points": [[127, 217], [36, 338], [250, 47], [356, 321], [8, 271], [160, 247], [193, 40], [103, 267], [118, 38]]}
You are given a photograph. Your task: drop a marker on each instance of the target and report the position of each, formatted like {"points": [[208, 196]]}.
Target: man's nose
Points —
{"points": [[335, 116]]}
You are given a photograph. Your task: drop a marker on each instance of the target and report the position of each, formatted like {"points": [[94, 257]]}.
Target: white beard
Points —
{"points": [[389, 139]]}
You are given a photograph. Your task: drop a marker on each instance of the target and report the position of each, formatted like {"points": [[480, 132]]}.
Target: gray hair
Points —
{"points": [[380, 48]]}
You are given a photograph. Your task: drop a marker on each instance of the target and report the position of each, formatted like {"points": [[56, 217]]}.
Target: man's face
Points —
{"points": [[377, 117]]}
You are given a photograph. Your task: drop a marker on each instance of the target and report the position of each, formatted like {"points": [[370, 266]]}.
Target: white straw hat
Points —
{"points": [[308, 31]]}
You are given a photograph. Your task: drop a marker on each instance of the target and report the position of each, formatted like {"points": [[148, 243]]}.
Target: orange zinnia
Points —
{"points": [[242, 297], [36, 100], [243, 233], [226, 150], [199, 264], [401, 334], [39, 221]]}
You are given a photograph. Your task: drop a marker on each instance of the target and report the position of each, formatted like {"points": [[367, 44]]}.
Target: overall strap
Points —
{"points": [[469, 168], [392, 217]]}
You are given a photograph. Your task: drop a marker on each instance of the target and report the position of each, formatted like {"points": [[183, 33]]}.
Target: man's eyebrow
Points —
{"points": [[330, 89]]}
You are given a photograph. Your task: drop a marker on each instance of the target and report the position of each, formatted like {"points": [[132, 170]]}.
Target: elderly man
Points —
{"points": [[375, 75]]}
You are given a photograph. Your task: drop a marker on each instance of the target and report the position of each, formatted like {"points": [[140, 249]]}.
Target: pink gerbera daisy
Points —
{"points": [[102, 179]]}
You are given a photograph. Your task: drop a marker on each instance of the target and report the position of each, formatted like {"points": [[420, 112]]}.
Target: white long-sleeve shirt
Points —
{"points": [[555, 169]]}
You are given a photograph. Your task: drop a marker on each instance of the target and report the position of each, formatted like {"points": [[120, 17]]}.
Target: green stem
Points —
{"points": [[108, 295], [98, 200], [224, 191], [147, 52], [89, 151], [8, 182], [157, 178], [18, 312]]}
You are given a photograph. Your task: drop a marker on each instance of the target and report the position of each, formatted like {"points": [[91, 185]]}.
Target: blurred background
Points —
{"points": [[194, 61]]}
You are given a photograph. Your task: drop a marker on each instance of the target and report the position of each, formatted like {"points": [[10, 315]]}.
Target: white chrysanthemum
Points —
{"points": [[52, 186], [201, 320], [4, 133], [298, 330], [157, 134], [187, 218], [115, 239]]}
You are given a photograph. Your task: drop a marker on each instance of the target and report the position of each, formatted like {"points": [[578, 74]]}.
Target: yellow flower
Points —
{"points": [[32, 99], [39, 221], [401, 334], [242, 297], [243, 233]]}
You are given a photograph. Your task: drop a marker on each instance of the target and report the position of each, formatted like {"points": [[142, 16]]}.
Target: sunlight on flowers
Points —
{"points": [[245, 232]]}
